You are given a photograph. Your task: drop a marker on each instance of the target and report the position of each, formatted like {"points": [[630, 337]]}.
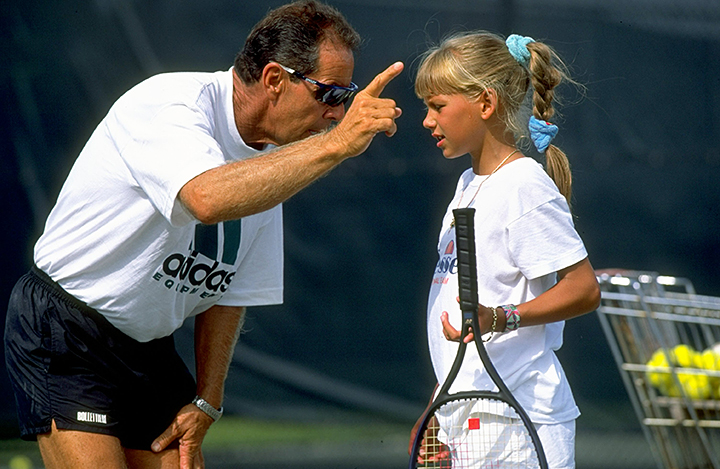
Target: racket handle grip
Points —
{"points": [[466, 262]]}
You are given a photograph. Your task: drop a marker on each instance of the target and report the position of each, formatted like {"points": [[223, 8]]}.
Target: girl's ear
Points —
{"points": [[487, 103]]}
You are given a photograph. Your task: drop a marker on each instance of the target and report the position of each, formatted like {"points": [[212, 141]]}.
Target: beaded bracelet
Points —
{"points": [[494, 324]]}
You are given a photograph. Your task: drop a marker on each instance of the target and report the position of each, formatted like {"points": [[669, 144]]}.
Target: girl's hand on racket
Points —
{"points": [[188, 429], [440, 455], [432, 449], [485, 318], [450, 332]]}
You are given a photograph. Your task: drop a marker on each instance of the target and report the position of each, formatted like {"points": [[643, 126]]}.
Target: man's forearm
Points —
{"points": [[246, 187], [216, 333]]}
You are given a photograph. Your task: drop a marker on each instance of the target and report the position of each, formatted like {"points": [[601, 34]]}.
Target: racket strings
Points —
{"points": [[477, 434]]}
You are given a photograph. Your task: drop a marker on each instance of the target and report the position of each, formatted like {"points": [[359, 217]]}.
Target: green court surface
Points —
{"points": [[236, 442]]}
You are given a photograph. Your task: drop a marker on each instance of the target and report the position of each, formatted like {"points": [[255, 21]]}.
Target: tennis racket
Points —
{"points": [[474, 429]]}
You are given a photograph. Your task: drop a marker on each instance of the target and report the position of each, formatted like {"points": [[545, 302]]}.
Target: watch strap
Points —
{"points": [[203, 405]]}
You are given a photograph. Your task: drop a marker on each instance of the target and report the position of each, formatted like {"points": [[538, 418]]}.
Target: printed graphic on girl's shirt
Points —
{"points": [[447, 265]]}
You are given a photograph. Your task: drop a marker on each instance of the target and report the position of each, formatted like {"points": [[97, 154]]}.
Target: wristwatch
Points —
{"points": [[203, 405], [512, 317]]}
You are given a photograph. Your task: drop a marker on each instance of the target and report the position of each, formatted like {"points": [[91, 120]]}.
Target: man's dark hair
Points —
{"points": [[291, 35]]}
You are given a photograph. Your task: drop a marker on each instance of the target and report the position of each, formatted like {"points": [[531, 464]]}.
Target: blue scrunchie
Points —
{"points": [[517, 45], [541, 133]]}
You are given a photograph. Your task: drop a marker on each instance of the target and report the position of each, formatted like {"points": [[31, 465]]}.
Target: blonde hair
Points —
{"points": [[471, 63]]}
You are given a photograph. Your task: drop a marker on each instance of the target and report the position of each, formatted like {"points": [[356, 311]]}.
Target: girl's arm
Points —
{"points": [[576, 293]]}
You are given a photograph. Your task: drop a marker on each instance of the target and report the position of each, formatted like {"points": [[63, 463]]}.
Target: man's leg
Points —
{"points": [[70, 449], [168, 459]]}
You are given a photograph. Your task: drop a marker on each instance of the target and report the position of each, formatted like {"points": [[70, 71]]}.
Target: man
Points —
{"points": [[172, 210]]}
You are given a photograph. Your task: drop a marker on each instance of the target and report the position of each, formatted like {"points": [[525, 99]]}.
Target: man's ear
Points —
{"points": [[273, 80], [487, 102]]}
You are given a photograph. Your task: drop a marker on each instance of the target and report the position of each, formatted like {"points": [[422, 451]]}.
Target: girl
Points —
{"points": [[531, 261]]}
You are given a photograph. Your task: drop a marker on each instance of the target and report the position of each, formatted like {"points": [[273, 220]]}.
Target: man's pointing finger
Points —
{"points": [[383, 78]]}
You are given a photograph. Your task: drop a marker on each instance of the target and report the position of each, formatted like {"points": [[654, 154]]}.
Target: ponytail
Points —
{"points": [[546, 72], [558, 168]]}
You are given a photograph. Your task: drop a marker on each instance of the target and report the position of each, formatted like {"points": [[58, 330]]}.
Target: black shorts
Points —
{"points": [[69, 364]]}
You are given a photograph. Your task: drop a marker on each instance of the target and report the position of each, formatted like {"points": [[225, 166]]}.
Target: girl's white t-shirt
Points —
{"points": [[524, 234], [120, 240]]}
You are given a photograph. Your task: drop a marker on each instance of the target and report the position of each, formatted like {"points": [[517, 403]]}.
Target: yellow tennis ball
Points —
{"points": [[670, 389], [659, 375], [716, 392], [695, 386], [684, 355], [20, 462], [709, 360]]}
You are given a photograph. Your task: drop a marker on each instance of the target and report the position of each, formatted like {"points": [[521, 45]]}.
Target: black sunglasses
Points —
{"points": [[332, 95]]}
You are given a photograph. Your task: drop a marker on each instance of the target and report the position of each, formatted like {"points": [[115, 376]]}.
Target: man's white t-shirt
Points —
{"points": [[524, 233], [120, 240]]}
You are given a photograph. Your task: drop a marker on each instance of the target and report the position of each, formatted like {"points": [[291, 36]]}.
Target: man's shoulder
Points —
{"points": [[176, 86]]}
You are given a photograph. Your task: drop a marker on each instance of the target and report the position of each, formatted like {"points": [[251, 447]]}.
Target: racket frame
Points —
{"points": [[469, 303]]}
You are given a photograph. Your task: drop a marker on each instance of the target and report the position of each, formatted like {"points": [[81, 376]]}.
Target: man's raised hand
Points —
{"points": [[368, 115]]}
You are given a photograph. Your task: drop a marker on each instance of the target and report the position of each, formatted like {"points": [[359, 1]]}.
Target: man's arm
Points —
{"points": [[254, 185], [216, 333]]}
